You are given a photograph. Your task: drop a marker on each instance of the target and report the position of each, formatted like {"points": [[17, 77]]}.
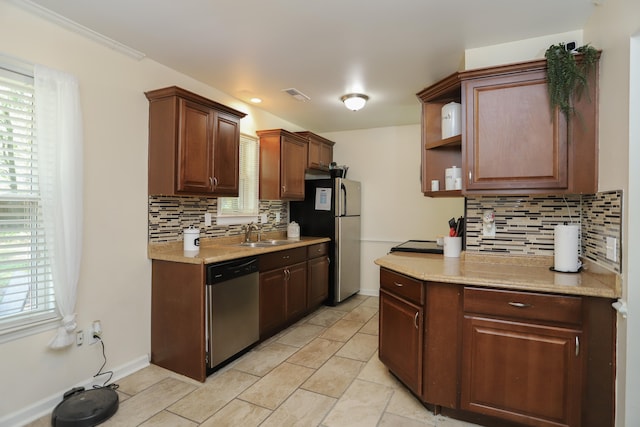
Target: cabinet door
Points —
{"points": [[272, 302], [226, 153], [326, 155], [296, 290], [293, 164], [400, 339], [317, 281], [526, 373], [314, 157], [195, 145], [513, 139]]}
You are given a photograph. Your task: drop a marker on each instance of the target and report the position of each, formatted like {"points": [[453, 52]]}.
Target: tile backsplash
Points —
{"points": [[169, 216], [525, 225]]}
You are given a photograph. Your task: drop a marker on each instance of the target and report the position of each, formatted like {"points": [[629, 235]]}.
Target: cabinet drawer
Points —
{"points": [[320, 249], [403, 286], [523, 305], [283, 258]]}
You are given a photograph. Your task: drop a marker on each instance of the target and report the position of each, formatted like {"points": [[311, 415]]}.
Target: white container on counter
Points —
{"points": [[450, 176], [293, 231], [451, 124], [191, 240]]}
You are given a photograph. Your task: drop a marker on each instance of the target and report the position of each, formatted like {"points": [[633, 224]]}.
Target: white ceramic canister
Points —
{"points": [[293, 231], [451, 123], [191, 239], [450, 176]]}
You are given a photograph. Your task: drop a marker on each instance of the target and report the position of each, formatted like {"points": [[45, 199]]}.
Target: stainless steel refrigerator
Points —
{"points": [[332, 209]]}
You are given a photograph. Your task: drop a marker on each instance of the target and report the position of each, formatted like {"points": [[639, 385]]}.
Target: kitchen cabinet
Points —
{"points": [[283, 289], [283, 160], [401, 328], [193, 144], [491, 356], [177, 318], [320, 152], [511, 142], [522, 359], [317, 274], [438, 153], [515, 144]]}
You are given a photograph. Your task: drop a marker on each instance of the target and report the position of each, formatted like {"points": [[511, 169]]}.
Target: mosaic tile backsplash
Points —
{"points": [[525, 225], [169, 216]]}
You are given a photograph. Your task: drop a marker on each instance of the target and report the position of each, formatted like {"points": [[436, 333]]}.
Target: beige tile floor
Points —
{"points": [[322, 371]]}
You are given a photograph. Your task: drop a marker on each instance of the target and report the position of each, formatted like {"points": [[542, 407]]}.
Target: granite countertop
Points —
{"points": [[506, 272], [223, 249]]}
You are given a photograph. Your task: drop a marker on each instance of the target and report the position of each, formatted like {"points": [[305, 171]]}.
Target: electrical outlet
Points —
{"points": [[79, 338], [263, 218], [612, 249], [96, 329], [207, 219], [277, 217]]}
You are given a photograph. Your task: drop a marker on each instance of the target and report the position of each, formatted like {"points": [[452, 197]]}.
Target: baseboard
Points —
{"points": [[370, 292], [46, 405]]}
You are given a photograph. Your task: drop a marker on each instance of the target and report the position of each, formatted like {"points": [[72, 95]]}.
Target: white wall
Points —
{"points": [[611, 29], [115, 278], [387, 162]]}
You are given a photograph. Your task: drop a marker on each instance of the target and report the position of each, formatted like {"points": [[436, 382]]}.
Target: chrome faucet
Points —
{"points": [[247, 231]]}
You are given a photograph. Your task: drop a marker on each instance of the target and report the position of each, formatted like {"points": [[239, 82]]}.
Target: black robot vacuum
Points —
{"points": [[85, 408]]}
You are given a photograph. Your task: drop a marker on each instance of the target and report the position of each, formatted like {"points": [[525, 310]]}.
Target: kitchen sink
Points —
{"points": [[264, 243]]}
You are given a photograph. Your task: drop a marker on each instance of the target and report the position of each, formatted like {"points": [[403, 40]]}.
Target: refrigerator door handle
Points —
{"points": [[343, 203]]}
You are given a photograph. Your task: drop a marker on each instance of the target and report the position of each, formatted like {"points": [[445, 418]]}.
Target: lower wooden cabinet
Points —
{"points": [[500, 357], [521, 357], [283, 289], [400, 335], [317, 275]]}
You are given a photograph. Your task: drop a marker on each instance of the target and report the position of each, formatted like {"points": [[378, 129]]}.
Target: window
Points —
{"points": [[245, 207], [26, 286]]}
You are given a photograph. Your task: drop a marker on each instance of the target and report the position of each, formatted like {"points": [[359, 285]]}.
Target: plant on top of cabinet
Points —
{"points": [[568, 77], [194, 144]]}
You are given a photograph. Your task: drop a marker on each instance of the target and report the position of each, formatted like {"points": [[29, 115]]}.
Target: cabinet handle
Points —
{"points": [[519, 305], [415, 320], [469, 177], [284, 188], [398, 284], [211, 182], [287, 274], [577, 346]]}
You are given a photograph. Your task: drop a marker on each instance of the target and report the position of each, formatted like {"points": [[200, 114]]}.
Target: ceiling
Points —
{"points": [[387, 49]]}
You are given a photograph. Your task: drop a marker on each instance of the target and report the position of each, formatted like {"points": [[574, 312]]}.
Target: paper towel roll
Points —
{"points": [[566, 245]]}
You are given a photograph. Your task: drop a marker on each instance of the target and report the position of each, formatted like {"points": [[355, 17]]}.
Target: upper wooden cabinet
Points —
{"points": [[515, 144], [437, 153], [283, 160], [320, 151], [511, 141], [193, 144]]}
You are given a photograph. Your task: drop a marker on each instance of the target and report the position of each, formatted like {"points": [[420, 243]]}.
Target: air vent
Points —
{"points": [[297, 94]]}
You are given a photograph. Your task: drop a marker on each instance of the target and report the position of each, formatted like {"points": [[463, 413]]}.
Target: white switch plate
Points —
{"points": [[263, 218], [207, 219], [277, 216], [612, 249]]}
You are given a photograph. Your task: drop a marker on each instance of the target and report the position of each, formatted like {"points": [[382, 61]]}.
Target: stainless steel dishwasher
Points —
{"points": [[232, 309]]}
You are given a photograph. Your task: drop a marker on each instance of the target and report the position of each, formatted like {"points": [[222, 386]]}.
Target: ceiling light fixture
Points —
{"points": [[256, 100], [354, 101]]}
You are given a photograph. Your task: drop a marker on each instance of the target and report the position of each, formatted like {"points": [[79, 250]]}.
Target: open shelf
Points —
{"points": [[453, 141]]}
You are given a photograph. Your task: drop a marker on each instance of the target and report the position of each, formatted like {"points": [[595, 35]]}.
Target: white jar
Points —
{"points": [[451, 124], [191, 239], [293, 231], [450, 176]]}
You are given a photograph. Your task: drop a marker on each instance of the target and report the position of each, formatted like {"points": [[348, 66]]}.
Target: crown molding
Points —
{"points": [[58, 19]]}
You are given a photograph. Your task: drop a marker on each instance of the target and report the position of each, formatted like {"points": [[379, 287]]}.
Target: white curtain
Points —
{"points": [[59, 141]]}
